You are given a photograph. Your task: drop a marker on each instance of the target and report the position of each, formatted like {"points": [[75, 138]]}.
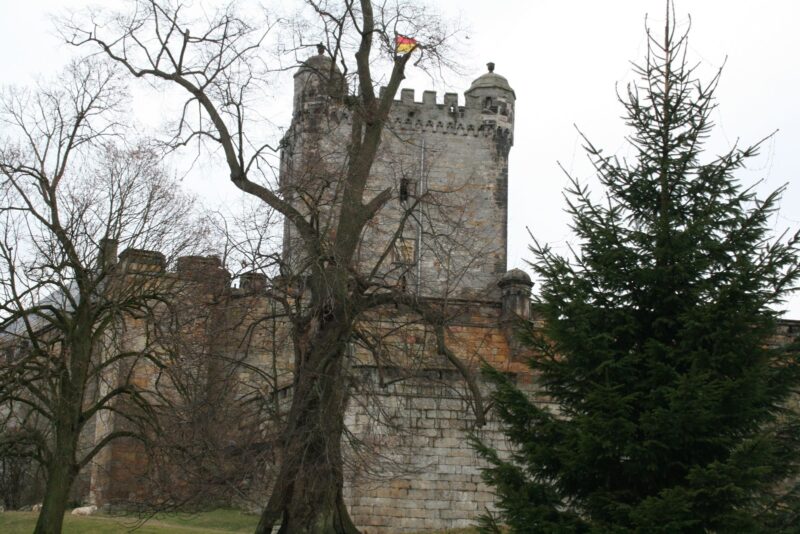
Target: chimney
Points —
{"points": [[107, 258], [142, 261]]}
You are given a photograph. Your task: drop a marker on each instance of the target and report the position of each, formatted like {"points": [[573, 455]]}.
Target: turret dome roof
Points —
{"points": [[319, 62], [491, 80], [516, 276]]}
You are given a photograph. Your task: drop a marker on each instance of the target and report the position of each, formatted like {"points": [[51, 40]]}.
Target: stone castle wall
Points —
{"points": [[425, 474], [447, 168], [409, 464]]}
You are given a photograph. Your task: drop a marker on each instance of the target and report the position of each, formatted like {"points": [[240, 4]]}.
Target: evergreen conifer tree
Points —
{"points": [[666, 399]]}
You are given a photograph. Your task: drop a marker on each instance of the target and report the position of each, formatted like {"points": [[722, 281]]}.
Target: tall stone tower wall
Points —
{"points": [[446, 165]]}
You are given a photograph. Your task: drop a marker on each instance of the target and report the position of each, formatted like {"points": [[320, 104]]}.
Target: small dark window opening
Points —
{"points": [[487, 104], [452, 108], [404, 189]]}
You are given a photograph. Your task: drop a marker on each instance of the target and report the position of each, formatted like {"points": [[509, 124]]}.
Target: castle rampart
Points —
{"points": [[412, 468]]}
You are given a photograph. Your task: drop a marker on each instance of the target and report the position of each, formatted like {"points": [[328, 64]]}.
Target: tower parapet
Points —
{"points": [[488, 111], [488, 108], [205, 269]]}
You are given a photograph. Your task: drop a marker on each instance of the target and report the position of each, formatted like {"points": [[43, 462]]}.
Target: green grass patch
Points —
{"points": [[200, 523], [222, 519]]}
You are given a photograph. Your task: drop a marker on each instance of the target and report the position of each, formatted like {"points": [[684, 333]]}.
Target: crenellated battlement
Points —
{"points": [[486, 109], [430, 100], [447, 118], [475, 114], [206, 270], [450, 103]]}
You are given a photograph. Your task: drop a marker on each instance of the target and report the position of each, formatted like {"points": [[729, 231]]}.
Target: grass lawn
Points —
{"points": [[202, 523]]}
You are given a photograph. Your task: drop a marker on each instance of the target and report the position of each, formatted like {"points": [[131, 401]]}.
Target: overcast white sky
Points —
{"points": [[564, 59]]}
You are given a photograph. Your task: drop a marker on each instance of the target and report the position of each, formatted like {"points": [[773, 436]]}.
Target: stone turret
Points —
{"points": [[515, 287], [107, 258], [317, 82], [493, 98]]}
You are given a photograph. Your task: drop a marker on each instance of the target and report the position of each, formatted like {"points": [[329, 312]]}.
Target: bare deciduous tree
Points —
{"points": [[70, 193]]}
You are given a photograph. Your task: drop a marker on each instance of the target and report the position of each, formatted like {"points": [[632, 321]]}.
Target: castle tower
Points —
{"points": [[446, 163], [317, 82], [312, 144], [491, 94]]}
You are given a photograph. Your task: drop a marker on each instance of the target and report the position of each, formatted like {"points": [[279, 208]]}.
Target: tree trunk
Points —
{"points": [[307, 495], [61, 467], [60, 476]]}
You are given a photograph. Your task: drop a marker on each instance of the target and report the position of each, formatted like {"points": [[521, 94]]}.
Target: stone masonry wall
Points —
{"points": [[423, 473], [412, 467], [409, 466]]}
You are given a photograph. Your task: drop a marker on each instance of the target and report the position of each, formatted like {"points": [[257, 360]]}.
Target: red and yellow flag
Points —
{"points": [[404, 45]]}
